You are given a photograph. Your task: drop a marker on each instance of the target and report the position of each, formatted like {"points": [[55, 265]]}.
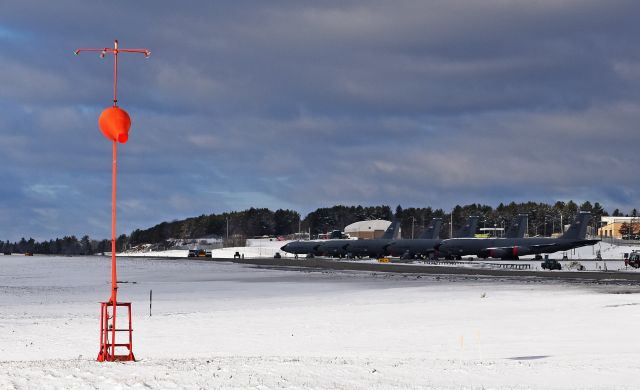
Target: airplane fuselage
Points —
{"points": [[333, 248], [302, 247], [368, 248], [412, 248], [508, 247]]}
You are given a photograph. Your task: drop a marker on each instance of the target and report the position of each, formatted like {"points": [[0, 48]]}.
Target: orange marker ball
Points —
{"points": [[114, 123]]}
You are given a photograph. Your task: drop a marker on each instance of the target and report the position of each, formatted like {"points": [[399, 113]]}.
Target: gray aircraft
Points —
{"points": [[309, 248], [373, 248], [424, 245], [342, 248], [333, 247], [511, 248]]}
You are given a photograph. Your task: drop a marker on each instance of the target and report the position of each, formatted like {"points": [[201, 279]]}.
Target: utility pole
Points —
{"points": [[451, 226], [413, 222]]}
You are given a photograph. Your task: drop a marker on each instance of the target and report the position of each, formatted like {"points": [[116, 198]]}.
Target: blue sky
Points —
{"points": [[300, 105]]}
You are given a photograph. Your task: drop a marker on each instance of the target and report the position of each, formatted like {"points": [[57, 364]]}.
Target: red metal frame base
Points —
{"points": [[108, 331]]}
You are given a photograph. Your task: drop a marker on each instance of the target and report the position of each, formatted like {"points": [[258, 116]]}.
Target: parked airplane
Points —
{"points": [[302, 247], [333, 247], [340, 249], [376, 247], [511, 248], [424, 245]]}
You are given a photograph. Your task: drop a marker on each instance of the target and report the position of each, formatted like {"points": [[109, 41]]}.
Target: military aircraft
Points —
{"points": [[511, 248], [302, 248], [424, 245], [335, 247], [373, 248], [353, 248]]}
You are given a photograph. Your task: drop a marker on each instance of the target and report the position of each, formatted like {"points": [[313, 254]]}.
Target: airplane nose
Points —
{"points": [[284, 247]]}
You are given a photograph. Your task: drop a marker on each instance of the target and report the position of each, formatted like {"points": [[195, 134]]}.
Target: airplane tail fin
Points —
{"points": [[469, 228], [397, 232], [518, 226], [578, 229], [393, 232], [432, 232]]}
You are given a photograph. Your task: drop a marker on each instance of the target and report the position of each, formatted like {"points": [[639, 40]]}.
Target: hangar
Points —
{"points": [[367, 229]]}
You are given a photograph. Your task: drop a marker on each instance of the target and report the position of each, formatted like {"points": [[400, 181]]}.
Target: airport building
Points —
{"points": [[367, 229], [610, 226]]}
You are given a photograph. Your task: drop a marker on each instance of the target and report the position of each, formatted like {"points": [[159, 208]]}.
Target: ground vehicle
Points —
{"points": [[551, 264], [633, 260], [198, 253]]}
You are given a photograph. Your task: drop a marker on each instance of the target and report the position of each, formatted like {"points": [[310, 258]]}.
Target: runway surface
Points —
{"points": [[333, 264]]}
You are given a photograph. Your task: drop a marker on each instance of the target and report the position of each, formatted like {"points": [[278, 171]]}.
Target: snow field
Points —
{"points": [[221, 325]]}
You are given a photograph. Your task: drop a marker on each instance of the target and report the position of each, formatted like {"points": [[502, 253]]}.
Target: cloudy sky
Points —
{"points": [[293, 104]]}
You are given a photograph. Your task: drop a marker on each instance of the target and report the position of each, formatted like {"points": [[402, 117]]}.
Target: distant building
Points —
{"points": [[610, 226], [367, 229]]}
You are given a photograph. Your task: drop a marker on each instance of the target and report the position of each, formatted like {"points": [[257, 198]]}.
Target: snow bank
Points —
{"points": [[262, 248]]}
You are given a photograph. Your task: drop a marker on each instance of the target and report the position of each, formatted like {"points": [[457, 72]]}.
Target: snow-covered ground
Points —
{"points": [[254, 248], [223, 325], [607, 251]]}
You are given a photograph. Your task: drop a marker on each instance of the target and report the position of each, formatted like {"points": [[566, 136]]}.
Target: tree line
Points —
{"points": [[67, 246], [544, 219]]}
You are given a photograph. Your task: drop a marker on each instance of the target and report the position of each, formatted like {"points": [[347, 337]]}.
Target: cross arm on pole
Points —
{"points": [[106, 50], [115, 51]]}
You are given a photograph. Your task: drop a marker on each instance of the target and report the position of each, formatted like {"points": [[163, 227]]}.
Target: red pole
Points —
{"points": [[114, 277]]}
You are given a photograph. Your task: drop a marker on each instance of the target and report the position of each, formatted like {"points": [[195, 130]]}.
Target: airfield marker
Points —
{"points": [[114, 123]]}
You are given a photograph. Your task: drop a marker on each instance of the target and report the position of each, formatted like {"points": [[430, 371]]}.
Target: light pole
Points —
{"points": [[413, 222]]}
